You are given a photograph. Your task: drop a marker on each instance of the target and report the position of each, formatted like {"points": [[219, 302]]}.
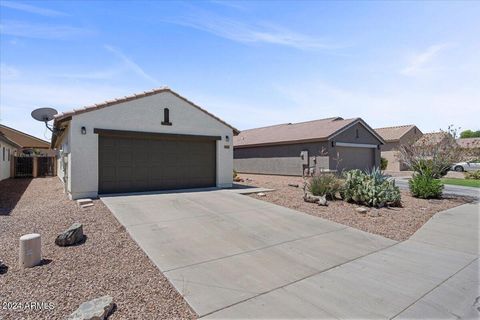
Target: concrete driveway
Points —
{"points": [[233, 256], [219, 248]]}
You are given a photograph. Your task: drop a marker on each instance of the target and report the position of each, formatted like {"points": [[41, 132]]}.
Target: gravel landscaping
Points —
{"points": [[394, 223], [108, 263]]}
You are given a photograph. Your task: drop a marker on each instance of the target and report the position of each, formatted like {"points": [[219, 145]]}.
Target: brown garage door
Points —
{"points": [[355, 158], [138, 164]]}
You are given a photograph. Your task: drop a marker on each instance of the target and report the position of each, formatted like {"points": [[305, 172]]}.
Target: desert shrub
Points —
{"points": [[425, 186], [427, 167], [472, 175], [325, 184], [383, 163], [370, 188]]}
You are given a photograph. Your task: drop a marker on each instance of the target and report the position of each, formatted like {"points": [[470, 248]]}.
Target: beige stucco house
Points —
{"points": [[395, 137], [154, 140]]}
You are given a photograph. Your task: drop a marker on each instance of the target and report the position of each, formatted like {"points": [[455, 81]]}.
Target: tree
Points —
{"points": [[470, 134], [433, 153]]}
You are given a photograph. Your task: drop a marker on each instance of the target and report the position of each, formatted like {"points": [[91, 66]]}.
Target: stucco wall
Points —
{"points": [[279, 159], [5, 165], [390, 150], [144, 114]]}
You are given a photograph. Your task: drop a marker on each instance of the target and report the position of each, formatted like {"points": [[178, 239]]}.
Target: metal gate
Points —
{"points": [[45, 166], [23, 167]]}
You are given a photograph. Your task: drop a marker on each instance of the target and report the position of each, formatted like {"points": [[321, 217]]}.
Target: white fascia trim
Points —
{"points": [[355, 145]]}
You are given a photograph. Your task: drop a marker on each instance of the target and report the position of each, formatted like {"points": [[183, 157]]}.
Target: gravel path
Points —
{"points": [[394, 223], [109, 262]]}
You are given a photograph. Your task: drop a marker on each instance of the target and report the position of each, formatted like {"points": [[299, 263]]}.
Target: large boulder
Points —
{"points": [[96, 309], [71, 236]]}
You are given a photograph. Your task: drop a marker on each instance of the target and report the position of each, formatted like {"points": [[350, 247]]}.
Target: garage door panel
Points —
{"points": [[131, 165], [355, 158]]}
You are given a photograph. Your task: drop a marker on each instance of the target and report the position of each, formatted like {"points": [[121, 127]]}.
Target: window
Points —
{"points": [[8, 155], [166, 117], [357, 135], [3, 153]]}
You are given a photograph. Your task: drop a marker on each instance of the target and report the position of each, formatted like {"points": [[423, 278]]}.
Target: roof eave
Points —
{"points": [[277, 143]]}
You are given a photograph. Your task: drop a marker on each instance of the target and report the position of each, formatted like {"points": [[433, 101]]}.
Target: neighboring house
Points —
{"points": [[395, 138], [8, 149], [432, 139], [469, 143], [154, 140], [471, 147], [291, 148], [28, 143]]}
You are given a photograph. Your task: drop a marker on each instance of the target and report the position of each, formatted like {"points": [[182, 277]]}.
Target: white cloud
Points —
{"points": [[131, 64], [419, 61], [258, 33], [41, 31], [31, 9]]}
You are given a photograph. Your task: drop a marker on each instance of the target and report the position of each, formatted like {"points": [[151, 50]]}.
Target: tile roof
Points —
{"points": [[432, 138], [23, 139], [6, 140], [394, 133], [469, 143], [65, 115], [316, 130]]}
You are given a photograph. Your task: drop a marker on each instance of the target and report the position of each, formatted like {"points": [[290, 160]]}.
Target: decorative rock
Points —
{"points": [[361, 210], [96, 309], [310, 198], [3, 267], [293, 185], [322, 201], [30, 253], [374, 213], [71, 236], [261, 194]]}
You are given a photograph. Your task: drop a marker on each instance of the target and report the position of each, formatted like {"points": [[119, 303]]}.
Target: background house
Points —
{"points": [[395, 137], [433, 139], [28, 143], [325, 144], [8, 149], [471, 147], [149, 141]]}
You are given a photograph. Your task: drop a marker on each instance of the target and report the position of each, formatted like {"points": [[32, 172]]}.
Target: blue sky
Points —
{"points": [[250, 63]]}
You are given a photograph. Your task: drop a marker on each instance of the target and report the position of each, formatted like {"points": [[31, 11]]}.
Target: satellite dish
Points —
{"points": [[44, 114]]}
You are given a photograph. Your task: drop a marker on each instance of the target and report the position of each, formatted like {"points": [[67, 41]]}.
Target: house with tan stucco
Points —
{"points": [[394, 138]]}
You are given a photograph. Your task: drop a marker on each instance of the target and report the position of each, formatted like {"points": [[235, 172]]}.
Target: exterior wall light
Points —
{"points": [[83, 130], [227, 138]]}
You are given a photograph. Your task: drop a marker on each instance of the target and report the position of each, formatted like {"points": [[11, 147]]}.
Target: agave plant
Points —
{"points": [[370, 188]]}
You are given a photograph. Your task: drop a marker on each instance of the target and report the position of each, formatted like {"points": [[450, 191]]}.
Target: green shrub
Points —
{"points": [[428, 167], [383, 163], [370, 188], [475, 175], [425, 186], [325, 184]]}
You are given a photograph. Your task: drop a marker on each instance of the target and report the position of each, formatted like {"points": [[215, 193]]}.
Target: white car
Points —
{"points": [[466, 166]]}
